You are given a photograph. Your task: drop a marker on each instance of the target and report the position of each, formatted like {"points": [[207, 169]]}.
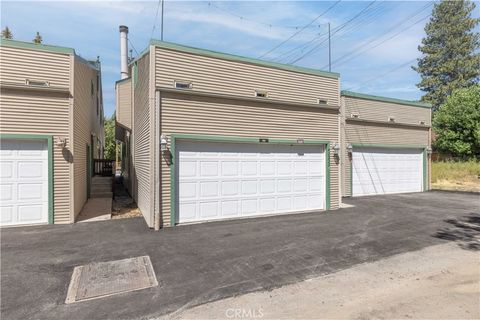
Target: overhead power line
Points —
{"points": [[155, 20], [369, 14], [355, 52], [382, 75], [133, 46], [299, 31], [336, 30], [244, 18]]}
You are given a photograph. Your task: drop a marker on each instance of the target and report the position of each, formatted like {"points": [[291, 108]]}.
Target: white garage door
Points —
{"points": [[385, 170], [24, 182], [221, 181]]}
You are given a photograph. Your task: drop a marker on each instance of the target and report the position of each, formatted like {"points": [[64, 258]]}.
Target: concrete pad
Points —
{"points": [[439, 282], [96, 209]]}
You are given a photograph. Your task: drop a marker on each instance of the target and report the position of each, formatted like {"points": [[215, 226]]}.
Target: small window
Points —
{"points": [[182, 84], [261, 94], [37, 83], [322, 101]]}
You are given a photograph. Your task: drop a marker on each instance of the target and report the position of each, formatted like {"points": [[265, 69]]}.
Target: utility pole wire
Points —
{"points": [[133, 47], [336, 30], [382, 75], [354, 53], [243, 18], [155, 20], [297, 32]]}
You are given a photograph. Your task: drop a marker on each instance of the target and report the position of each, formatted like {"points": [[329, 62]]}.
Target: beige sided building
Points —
{"points": [[218, 136], [385, 145], [51, 127]]}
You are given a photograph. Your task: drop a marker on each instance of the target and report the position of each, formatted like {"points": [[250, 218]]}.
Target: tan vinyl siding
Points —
{"points": [[42, 113], [124, 103], [227, 117], [84, 115], [19, 64], [365, 133], [143, 165], [215, 75], [380, 111]]}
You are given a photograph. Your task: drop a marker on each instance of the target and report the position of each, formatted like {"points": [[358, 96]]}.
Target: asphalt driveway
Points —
{"points": [[196, 264]]}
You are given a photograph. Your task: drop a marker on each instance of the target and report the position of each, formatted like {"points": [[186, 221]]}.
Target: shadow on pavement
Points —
{"points": [[464, 230]]}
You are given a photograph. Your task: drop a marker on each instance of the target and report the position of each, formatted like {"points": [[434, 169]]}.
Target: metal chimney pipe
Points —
{"points": [[124, 52]]}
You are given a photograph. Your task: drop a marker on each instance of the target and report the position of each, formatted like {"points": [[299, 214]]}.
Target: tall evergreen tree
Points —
{"points": [[7, 33], [38, 38], [450, 58]]}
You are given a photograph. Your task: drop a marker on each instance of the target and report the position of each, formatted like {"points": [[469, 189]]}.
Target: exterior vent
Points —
{"points": [[354, 115], [37, 83], [261, 94], [391, 119], [322, 101], [182, 85], [422, 123]]}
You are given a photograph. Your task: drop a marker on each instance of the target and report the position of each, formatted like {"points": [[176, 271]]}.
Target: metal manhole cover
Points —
{"points": [[102, 279]]}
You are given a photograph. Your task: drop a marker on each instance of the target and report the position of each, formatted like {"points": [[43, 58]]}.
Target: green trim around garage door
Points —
{"points": [[391, 146], [214, 138], [49, 139]]}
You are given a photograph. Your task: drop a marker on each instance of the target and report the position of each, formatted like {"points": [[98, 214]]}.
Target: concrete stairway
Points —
{"points": [[101, 187]]}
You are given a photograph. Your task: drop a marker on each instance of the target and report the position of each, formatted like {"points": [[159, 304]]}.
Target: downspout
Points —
{"points": [[158, 163]]}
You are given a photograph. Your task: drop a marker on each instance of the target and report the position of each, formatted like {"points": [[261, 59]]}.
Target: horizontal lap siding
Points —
{"points": [[363, 133], [380, 111], [31, 113], [124, 103], [84, 113], [209, 116], [19, 64], [142, 137], [220, 76]]}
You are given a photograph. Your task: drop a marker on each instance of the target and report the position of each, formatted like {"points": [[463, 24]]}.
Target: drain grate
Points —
{"points": [[97, 280]]}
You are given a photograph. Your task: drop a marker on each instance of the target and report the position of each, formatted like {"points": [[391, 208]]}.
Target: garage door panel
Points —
{"points": [[229, 208], [251, 180], [24, 184], [28, 213], [6, 169], [382, 171], [31, 191]]}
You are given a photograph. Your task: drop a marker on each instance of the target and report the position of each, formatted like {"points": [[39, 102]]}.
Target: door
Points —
{"points": [[386, 170], [24, 182], [232, 180]]}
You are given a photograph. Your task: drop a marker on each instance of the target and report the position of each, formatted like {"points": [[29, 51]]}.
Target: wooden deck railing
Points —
{"points": [[103, 167]]}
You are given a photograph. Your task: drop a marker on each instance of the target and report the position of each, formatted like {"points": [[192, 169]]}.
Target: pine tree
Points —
{"points": [[7, 33], [38, 38], [450, 58]]}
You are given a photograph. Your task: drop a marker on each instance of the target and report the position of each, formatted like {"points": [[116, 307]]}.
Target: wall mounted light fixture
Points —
{"points": [[61, 142], [336, 148], [163, 143], [349, 148]]}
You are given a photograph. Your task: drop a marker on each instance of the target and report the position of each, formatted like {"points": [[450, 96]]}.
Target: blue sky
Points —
{"points": [[373, 52]]}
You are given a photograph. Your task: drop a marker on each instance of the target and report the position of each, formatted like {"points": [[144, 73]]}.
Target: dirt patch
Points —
{"points": [[125, 207], [469, 186]]}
